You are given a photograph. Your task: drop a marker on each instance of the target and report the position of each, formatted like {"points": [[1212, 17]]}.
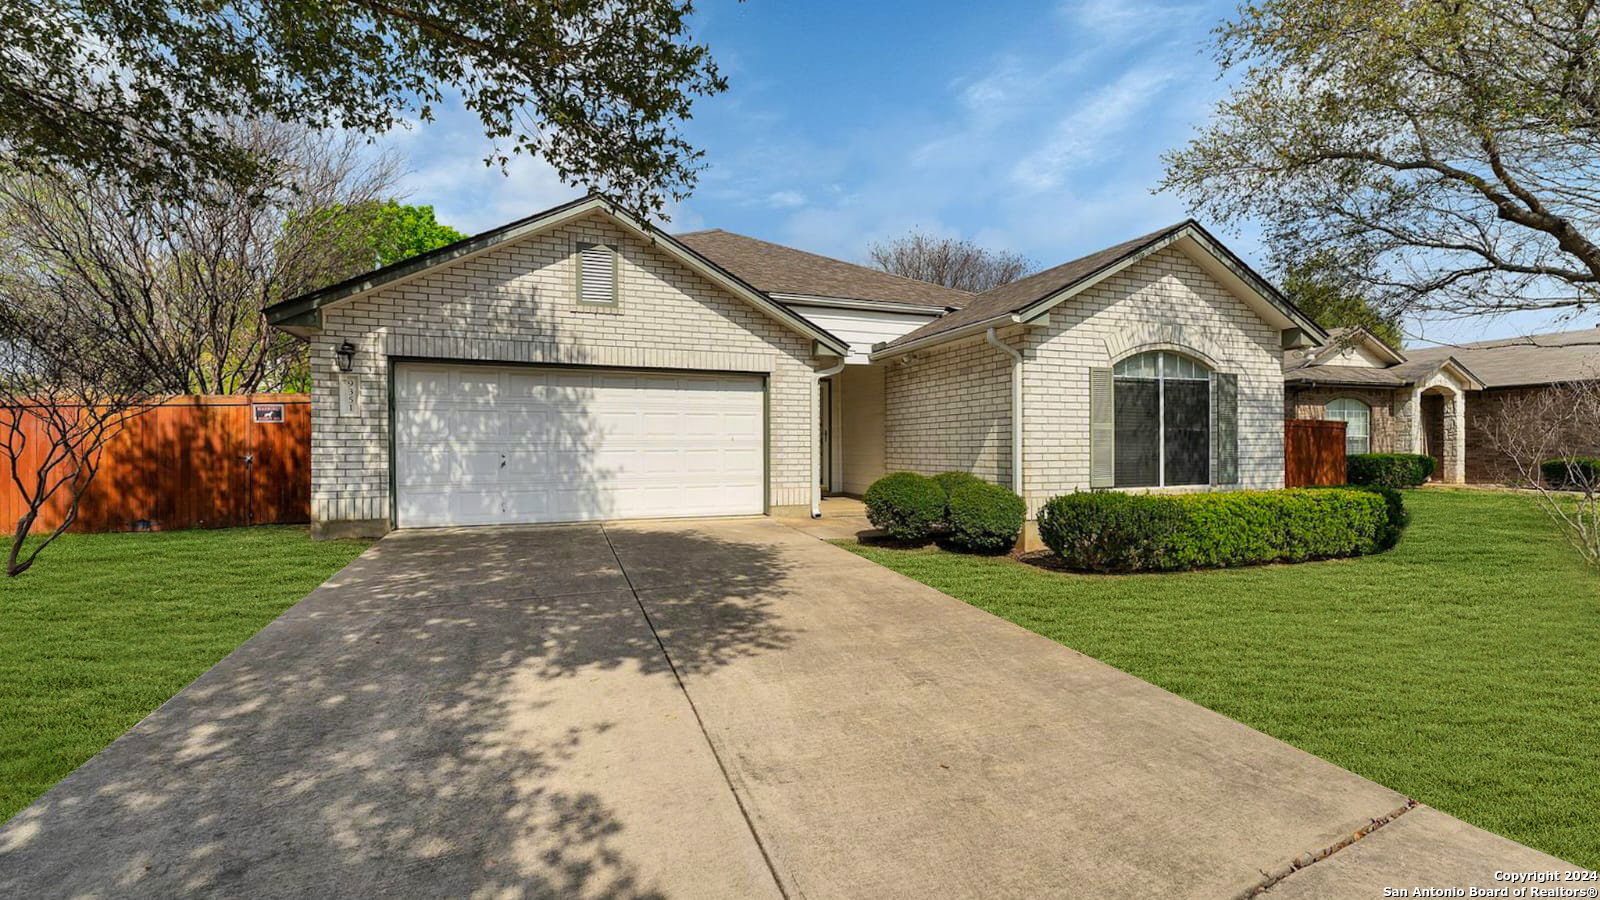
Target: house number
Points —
{"points": [[349, 395]]}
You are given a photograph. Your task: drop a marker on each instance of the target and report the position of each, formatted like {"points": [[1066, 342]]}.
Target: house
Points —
{"points": [[1512, 370], [1441, 401], [580, 364], [1390, 402]]}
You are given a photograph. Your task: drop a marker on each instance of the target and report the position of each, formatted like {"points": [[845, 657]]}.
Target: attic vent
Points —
{"points": [[597, 274]]}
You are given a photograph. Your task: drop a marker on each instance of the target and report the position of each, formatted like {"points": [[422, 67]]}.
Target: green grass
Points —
{"points": [[106, 627], [1461, 668]]}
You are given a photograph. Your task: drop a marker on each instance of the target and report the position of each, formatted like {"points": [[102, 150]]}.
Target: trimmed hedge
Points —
{"points": [[984, 518], [1571, 473], [905, 506], [1395, 470], [1115, 532], [949, 481]]}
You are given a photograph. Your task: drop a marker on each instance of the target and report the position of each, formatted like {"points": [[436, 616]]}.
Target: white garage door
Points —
{"points": [[481, 445]]}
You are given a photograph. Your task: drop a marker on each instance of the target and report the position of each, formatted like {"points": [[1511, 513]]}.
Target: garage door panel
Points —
{"points": [[480, 445]]}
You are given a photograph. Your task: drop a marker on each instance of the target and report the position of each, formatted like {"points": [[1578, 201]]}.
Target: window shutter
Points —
{"points": [[1225, 441], [597, 274], [1102, 430]]}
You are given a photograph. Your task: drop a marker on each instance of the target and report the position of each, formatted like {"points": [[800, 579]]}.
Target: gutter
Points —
{"points": [[887, 352], [993, 339], [816, 442]]}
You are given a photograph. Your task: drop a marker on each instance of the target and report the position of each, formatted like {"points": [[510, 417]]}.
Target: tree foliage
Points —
{"points": [[1317, 288], [401, 232], [1444, 154], [140, 90], [178, 287], [952, 262]]}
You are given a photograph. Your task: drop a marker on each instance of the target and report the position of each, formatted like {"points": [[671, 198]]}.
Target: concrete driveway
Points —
{"points": [[720, 708]]}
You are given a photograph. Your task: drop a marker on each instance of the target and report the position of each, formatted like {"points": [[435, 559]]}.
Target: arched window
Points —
{"points": [[1163, 420], [1357, 419]]}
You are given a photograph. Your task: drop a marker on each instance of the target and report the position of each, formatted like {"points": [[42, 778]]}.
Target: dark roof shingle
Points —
{"points": [[776, 269], [1535, 359]]}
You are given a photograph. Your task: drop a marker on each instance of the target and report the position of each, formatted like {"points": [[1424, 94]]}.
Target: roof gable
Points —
{"points": [[1531, 360], [298, 313], [1031, 298]]}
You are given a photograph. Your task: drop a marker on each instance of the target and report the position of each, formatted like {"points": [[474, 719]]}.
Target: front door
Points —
{"points": [[1433, 431], [826, 409]]}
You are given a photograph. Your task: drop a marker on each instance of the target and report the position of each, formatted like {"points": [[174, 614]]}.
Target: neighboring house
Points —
{"points": [[579, 364], [1390, 402], [1513, 369]]}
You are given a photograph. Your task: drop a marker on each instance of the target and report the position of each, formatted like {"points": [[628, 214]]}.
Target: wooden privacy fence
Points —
{"points": [[1313, 452], [190, 462]]}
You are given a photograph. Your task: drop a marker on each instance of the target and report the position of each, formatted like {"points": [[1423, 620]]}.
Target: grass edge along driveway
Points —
{"points": [[107, 627], [1461, 668]]}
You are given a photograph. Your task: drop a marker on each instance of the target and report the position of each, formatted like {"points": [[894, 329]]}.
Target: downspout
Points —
{"points": [[1016, 408], [816, 438]]}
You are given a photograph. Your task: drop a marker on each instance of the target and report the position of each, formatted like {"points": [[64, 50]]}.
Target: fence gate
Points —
{"points": [[1313, 452], [195, 462]]}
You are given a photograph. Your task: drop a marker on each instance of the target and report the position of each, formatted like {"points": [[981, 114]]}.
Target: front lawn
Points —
{"points": [[106, 627], [1461, 668]]}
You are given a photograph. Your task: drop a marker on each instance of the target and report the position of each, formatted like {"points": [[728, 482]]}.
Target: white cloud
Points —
{"points": [[1092, 130], [786, 199]]}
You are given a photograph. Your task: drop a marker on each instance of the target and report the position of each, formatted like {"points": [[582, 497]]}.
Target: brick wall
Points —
{"points": [[949, 408], [1165, 301], [1312, 403], [516, 304], [1486, 464]]}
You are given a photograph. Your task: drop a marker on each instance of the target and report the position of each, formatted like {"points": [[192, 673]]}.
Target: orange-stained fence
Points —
{"points": [[190, 462], [1313, 452]]}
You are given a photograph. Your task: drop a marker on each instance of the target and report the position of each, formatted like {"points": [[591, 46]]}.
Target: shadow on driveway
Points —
{"points": [[462, 713]]}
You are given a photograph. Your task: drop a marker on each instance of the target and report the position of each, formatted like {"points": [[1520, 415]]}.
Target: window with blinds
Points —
{"points": [[597, 275], [1162, 420]]}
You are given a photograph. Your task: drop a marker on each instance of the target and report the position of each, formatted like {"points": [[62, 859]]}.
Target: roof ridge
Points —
{"points": [[865, 268]]}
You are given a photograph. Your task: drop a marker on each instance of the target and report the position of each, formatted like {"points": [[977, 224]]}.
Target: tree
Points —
{"points": [[1314, 287], [140, 90], [178, 287], [1559, 424], [401, 232], [1442, 153], [951, 262], [64, 393]]}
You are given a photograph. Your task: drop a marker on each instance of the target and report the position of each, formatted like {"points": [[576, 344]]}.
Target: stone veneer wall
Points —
{"points": [[517, 304], [1312, 403]]}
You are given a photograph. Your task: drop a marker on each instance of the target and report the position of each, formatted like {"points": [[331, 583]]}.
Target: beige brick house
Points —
{"points": [[580, 364]]}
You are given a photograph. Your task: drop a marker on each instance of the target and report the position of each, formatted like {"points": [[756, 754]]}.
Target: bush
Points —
{"points": [[984, 518], [949, 481], [1394, 509], [1571, 473], [1112, 532], [905, 506], [1394, 470]]}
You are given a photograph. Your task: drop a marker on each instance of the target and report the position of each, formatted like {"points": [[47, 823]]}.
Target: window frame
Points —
{"points": [[1161, 378], [1366, 410]]}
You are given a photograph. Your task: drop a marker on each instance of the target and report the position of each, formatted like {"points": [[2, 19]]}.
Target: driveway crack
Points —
{"points": [[1271, 879], [727, 779]]}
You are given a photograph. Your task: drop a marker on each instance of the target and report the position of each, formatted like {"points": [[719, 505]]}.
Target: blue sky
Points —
{"points": [[1031, 127]]}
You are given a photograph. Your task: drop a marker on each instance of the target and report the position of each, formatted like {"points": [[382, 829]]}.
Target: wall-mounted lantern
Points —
{"points": [[347, 356]]}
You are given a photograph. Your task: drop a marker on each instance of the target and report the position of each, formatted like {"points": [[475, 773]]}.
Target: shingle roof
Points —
{"points": [[774, 268], [1535, 359], [1009, 298]]}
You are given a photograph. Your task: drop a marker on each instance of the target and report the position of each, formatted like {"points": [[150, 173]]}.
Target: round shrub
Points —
{"points": [[949, 481], [1571, 473], [1395, 470], [905, 506], [1110, 531], [984, 518]]}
